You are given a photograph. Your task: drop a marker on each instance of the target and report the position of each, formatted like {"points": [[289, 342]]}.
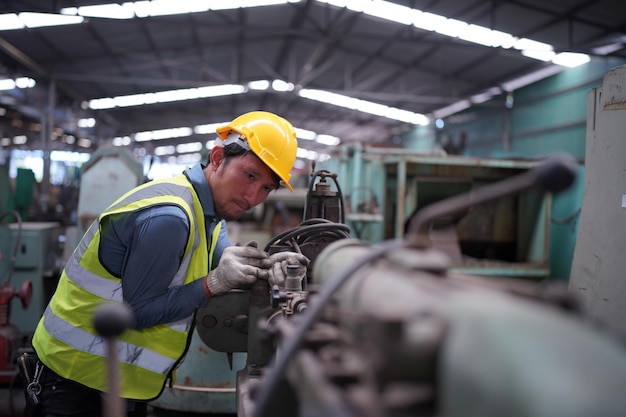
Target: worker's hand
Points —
{"points": [[239, 265], [280, 260]]}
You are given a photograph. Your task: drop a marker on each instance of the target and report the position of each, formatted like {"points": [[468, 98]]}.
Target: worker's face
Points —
{"points": [[239, 184]]}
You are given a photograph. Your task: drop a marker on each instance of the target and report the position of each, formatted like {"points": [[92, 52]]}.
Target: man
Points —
{"points": [[162, 248]]}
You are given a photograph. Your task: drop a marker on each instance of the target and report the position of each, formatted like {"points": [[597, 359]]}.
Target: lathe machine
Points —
{"points": [[389, 330]]}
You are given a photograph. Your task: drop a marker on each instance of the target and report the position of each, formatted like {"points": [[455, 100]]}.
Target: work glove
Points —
{"points": [[239, 265], [280, 260]]}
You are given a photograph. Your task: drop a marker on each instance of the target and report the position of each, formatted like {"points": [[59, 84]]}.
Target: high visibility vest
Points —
{"points": [[65, 339]]}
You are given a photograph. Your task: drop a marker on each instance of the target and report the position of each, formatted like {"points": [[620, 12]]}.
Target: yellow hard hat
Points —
{"points": [[268, 136]]}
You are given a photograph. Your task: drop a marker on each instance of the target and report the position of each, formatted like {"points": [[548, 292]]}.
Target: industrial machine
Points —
{"points": [[107, 175], [10, 334], [391, 330]]}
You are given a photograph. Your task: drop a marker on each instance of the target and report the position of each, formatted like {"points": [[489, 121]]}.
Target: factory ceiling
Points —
{"points": [[278, 57]]}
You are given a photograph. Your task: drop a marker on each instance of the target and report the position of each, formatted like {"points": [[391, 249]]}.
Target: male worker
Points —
{"points": [[162, 248]]}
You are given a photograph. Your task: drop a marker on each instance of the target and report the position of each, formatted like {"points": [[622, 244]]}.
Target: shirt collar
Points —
{"points": [[195, 174]]}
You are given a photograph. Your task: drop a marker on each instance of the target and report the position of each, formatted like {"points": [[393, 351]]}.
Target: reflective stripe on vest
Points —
{"points": [[65, 339]]}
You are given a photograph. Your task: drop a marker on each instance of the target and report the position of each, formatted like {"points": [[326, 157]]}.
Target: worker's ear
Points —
{"points": [[217, 156]]}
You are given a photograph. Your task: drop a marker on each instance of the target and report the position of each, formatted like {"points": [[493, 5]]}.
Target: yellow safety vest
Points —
{"points": [[65, 339]]}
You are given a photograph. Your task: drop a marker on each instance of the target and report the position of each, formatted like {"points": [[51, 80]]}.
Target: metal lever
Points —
{"points": [[111, 320]]}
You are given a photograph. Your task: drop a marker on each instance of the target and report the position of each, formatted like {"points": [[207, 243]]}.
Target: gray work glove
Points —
{"points": [[239, 265], [280, 260]]}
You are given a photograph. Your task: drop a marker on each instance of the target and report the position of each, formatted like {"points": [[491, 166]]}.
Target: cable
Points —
{"points": [[308, 318], [308, 230]]}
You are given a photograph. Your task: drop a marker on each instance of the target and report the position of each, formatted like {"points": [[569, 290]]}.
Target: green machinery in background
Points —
{"points": [[109, 173], [29, 251], [508, 237], [29, 255], [38, 256]]}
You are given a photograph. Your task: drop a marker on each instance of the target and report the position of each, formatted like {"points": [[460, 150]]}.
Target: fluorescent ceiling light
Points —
{"points": [[164, 150], [165, 96], [7, 84], [259, 85], [426, 21], [449, 27], [177, 132], [25, 82], [538, 54], [189, 147], [306, 154], [531, 78], [327, 140], [364, 106], [378, 8], [451, 109], [86, 123], [305, 134], [208, 128], [487, 37], [36, 20], [277, 85], [389, 11], [280, 85], [236, 4], [21, 82], [525, 43], [570, 59], [107, 11], [485, 95], [189, 158], [143, 9], [122, 141], [12, 21], [169, 7]]}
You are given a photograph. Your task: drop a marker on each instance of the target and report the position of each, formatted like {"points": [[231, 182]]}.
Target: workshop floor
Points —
{"points": [[12, 405]]}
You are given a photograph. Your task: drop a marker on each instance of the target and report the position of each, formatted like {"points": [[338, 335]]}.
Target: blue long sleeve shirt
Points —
{"points": [[145, 249]]}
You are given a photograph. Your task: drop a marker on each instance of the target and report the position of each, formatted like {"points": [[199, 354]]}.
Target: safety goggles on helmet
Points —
{"points": [[236, 138]]}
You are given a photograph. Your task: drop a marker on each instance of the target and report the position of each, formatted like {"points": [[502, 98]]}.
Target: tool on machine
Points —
{"points": [[321, 201]]}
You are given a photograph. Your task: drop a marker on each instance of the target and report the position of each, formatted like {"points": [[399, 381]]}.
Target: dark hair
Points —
{"points": [[233, 150]]}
